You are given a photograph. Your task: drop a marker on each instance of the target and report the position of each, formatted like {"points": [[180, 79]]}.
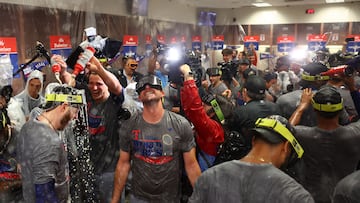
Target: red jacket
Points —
{"points": [[210, 133]]}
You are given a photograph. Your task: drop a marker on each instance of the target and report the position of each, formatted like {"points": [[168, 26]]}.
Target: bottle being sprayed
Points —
{"points": [[80, 65], [84, 58], [56, 68]]}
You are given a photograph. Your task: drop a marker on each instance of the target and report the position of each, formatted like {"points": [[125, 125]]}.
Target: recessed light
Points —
{"points": [[261, 4], [334, 1]]}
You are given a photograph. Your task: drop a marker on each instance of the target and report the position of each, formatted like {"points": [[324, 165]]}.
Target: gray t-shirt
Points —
{"points": [[347, 190], [328, 157], [156, 151], [218, 90], [237, 181], [42, 156]]}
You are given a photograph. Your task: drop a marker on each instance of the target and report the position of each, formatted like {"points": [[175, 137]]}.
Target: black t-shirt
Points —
{"points": [[245, 116]]}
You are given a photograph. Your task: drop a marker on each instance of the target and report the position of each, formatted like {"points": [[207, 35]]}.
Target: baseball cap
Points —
{"points": [[213, 71], [151, 80], [327, 99], [282, 61], [276, 129], [269, 76], [249, 72], [222, 106], [244, 61], [312, 72], [255, 84]]}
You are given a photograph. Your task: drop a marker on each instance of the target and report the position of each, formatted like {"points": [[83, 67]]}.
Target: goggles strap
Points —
{"points": [[327, 107], [75, 99], [283, 131], [314, 78], [218, 111]]}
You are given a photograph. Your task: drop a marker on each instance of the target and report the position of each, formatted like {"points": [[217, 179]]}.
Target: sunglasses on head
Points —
{"points": [[133, 65], [142, 87]]}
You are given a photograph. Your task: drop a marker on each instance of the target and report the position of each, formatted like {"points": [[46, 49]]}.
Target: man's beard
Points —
{"points": [[151, 102], [65, 120]]}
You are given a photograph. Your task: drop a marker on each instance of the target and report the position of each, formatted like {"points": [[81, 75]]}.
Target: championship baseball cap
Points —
{"points": [[151, 80], [327, 99], [276, 129], [213, 71], [255, 84]]}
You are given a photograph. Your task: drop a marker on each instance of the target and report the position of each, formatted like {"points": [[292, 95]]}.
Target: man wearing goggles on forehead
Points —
{"points": [[154, 140], [41, 151], [256, 178]]}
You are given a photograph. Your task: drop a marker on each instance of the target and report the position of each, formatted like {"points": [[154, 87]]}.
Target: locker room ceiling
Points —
{"points": [[248, 3]]}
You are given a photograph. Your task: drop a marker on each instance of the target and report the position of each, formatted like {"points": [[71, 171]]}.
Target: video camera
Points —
{"points": [[174, 57], [229, 70]]}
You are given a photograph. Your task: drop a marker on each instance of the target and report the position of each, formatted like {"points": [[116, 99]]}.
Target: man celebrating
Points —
{"points": [[41, 152], [256, 177], [155, 140], [104, 98]]}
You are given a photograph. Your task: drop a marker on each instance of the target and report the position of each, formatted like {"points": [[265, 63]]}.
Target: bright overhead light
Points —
{"points": [[334, 1], [261, 4]]}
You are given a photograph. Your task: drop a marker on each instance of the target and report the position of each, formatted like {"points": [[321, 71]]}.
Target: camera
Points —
{"points": [[123, 114], [174, 57], [229, 70]]}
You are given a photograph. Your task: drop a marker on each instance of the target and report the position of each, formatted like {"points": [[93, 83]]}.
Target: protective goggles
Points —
{"points": [[69, 98], [283, 131], [327, 107], [209, 99], [152, 81], [314, 78]]}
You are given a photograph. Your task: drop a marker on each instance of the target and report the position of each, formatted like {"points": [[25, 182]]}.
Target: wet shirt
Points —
{"points": [[156, 151], [328, 157], [103, 128], [347, 190], [42, 156], [237, 181]]}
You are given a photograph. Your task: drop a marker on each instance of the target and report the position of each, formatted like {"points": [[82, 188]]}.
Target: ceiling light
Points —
{"points": [[334, 1], [261, 4]]}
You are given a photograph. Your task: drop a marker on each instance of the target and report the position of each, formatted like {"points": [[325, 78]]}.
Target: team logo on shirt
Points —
{"points": [[151, 149]]}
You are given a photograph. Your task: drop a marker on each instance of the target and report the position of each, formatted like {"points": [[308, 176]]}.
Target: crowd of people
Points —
{"points": [[230, 133]]}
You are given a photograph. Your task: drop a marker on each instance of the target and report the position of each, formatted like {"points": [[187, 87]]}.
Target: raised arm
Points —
{"points": [[304, 104], [110, 80], [65, 76]]}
